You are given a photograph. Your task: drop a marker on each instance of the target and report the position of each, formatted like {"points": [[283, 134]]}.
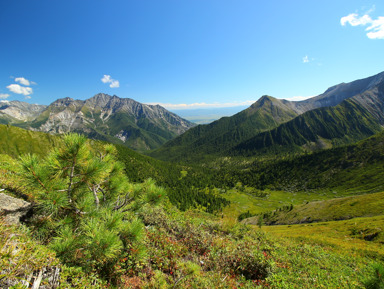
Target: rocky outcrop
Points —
{"points": [[12, 209]]}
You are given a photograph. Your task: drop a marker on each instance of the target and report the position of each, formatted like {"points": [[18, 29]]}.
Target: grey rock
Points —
{"points": [[12, 209]]}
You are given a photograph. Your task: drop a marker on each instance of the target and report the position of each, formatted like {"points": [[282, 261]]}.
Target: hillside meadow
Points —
{"points": [[169, 241]]}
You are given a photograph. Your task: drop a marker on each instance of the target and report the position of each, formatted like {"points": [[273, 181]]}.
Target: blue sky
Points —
{"points": [[186, 53]]}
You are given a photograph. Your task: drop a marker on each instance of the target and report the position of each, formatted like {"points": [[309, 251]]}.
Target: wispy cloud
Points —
{"points": [[23, 81], [4, 95], [112, 82], [202, 105], [375, 29], [307, 59], [18, 89]]}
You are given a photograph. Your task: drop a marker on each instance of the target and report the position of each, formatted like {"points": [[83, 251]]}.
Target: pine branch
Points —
{"points": [[103, 192], [124, 203], [38, 180], [71, 177], [94, 190]]}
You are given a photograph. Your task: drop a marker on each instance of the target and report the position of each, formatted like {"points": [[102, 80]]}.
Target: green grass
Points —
{"points": [[242, 202], [333, 254], [301, 264], [16, 141], [362, 237], [328, 210]]}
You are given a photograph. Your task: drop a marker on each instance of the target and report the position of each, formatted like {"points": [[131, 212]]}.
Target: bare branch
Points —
{"points": [[94, 190], [124, 203]]}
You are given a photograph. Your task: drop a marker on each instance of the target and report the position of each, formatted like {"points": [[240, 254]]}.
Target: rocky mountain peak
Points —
{"points": [[262, 101], [105, 117], [63, 101], [99, 100], [277, 107], [113, 103]]}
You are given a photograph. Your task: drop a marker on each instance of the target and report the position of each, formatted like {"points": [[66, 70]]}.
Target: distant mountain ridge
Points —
{"points": [[337, 93], [15, 111], [343, 114], [226, 132], [111, 118]]}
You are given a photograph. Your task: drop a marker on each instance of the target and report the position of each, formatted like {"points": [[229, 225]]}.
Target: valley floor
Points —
{"points": [[338, 254]]}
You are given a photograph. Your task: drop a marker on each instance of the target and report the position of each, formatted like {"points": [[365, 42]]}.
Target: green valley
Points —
{"points": [[172, 233], [277, 196]]}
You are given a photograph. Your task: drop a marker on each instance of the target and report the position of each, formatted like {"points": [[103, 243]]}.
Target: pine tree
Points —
{"points": [[85, 203]]}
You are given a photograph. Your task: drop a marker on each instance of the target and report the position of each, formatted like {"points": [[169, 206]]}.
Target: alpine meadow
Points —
{"points": [[134, 154]]}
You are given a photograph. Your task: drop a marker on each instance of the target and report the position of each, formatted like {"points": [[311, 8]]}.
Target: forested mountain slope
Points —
{"points": [[352, 120], [221, 135], [344, 114], [351, 169]]}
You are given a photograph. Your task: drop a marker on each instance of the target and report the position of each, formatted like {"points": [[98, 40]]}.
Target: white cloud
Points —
{"points": [[354, 20], [203, 105], [375, 28], [305, 59], [27, 97], [106, 78], [4, 95], [23, 81], [16, 88], [113, 83]]}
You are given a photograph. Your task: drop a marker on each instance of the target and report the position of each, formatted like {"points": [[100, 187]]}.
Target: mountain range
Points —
{"points": [[343, 114], [104, 117]]}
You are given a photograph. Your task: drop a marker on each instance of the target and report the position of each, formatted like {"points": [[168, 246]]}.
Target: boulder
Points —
{"points": [[12, 209]]}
